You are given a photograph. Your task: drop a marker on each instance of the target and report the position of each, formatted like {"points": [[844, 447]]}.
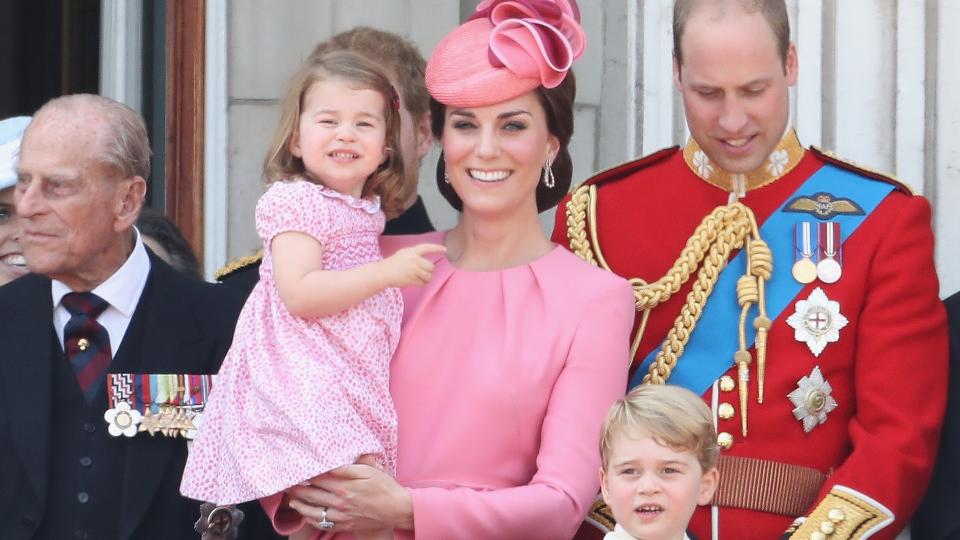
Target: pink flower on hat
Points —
{"points": [[508, 48], [534, 38]]}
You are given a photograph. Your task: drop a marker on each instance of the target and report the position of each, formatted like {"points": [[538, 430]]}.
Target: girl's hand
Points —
{"points": [[408, 266], [356, 498]]}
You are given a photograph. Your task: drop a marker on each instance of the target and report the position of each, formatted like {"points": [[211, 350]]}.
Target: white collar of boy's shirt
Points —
{"points": [[121, 291], [619, 533]]}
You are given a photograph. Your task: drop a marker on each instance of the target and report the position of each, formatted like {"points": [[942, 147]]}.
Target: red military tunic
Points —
{"points": [[887, 370]]}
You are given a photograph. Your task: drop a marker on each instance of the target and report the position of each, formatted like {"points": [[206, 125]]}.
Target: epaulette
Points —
{"points": [[832, 158], [628, 167], [238, 264]]}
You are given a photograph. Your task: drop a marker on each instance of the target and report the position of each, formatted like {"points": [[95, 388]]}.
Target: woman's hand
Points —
{"points": [[356, 498]]}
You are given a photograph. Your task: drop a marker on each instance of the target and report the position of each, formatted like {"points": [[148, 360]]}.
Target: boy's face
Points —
{"points": [[652, 489]]}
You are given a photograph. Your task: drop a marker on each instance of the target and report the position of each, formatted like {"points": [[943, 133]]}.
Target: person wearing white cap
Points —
{"points": [[97, 311], [12, 263]]}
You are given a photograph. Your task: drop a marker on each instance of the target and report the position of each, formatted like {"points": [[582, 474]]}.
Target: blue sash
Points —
{"points": [[709, 353]]}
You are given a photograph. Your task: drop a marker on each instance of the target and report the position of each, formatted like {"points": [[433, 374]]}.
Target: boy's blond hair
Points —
{"points": [[672, 415]]}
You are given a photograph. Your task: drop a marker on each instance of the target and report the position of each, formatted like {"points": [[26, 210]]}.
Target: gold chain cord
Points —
{"points": [[726, 229]]}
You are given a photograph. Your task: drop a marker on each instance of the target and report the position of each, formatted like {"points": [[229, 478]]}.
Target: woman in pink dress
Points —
{"points": [[511, 355], [304, 387]]}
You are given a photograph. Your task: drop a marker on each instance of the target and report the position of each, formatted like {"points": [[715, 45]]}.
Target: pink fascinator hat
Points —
{"points": [[506, 49]]}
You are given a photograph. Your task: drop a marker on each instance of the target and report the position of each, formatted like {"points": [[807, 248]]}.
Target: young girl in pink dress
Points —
{"points": [[304, 387]]}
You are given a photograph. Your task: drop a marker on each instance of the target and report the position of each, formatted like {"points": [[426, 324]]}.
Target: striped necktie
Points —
{"points": [[86, 342]]}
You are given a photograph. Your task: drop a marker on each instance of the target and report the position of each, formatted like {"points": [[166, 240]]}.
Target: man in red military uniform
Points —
{"points": [[795, 292]]}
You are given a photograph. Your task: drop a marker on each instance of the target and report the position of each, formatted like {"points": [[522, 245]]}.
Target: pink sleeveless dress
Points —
{"points": [[297, 397]]}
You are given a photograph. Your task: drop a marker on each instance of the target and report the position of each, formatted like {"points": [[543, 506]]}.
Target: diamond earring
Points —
{"points": [[548, 179]]}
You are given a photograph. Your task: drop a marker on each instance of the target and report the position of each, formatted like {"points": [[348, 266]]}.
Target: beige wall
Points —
{"points": [[266, 41], [878, 80]]}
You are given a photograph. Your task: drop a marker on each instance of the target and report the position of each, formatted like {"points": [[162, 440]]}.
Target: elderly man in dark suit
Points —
{"points": [[937, 518], [97, 302]]}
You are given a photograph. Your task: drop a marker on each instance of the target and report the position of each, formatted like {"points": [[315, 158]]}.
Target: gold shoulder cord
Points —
{"points": [[725, 229]]}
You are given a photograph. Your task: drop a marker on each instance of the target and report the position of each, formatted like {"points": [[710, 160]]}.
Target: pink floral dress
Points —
{"points": [[297, 397]]}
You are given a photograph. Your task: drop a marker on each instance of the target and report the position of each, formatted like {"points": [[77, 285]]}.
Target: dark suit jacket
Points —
{"points": [[939, 515], [189, 325]]}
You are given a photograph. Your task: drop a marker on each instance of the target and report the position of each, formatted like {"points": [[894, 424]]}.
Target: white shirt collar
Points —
{"points": [[619, 533], [123, 288]]}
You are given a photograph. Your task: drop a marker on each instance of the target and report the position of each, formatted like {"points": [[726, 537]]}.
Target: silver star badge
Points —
{"points": [[817, 321], [812, 400]]}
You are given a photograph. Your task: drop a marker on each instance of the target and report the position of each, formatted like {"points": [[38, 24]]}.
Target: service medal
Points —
{"points": [[168, 404], [804, 270], [829, 269]]}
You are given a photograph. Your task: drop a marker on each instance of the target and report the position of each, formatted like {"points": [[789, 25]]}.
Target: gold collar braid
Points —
{"points": [[781, 161], [727, 228]]}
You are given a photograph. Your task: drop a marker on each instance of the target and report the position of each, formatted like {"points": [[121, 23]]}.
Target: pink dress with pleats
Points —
{"points": [[501, 382], [296, 397]]}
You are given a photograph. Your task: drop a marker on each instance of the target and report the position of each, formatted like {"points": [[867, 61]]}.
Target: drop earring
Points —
{"points": [[548, 179]]}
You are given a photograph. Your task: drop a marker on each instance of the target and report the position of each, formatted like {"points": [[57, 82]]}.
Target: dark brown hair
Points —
{"points": [[774, 11], [280, 164], [157, 225], [557, 103]]}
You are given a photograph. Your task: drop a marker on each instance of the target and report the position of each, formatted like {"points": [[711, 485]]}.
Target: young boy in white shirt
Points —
{"points": [[659, 454]]}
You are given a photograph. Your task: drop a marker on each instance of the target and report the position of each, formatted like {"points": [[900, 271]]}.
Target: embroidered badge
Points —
{"points": [[823, 206], [817, 321], [702, 163], [812, 400], [779, 160]]}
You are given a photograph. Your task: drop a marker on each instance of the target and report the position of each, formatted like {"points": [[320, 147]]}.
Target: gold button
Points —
{"points": [[83, 343], [827, 528], [727, 384], [817, 535], [836, 515], [725, 440], [725, 411]]}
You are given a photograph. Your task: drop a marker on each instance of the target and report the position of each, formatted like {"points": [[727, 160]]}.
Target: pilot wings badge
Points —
{"points": [[823, 206]]}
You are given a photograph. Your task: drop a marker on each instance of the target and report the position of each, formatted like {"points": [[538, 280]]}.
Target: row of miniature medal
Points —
{"points": [[817, 320], [828, 266], [167, 403]]}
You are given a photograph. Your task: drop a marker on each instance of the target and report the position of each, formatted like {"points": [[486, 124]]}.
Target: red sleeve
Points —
{"points": [[900, 369]]}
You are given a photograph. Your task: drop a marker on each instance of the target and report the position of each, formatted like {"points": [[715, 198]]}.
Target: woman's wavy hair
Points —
{"points": [[558, 105], [387, 181]]}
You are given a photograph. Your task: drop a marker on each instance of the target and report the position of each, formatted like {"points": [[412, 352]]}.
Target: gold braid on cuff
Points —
{"points": [[844, 514], [600, 516]]}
